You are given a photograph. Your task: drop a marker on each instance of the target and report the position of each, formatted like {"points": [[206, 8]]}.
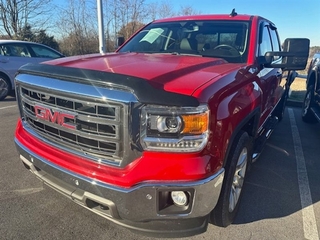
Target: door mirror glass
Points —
{"points": [[294, 55]]}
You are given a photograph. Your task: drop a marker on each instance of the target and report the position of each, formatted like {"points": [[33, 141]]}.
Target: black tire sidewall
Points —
{"points": [[221, 216], [308, 117], [9, 86]]}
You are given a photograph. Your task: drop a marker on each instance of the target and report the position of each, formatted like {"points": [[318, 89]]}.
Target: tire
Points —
{"points": [[5, 87], [306, 114], [235, 172]]}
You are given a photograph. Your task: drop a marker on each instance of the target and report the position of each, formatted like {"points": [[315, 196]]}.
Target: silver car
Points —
{"points": [[14, 54]]}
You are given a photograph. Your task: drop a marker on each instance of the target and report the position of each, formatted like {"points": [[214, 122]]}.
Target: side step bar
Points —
{"points": [[264, 134]]}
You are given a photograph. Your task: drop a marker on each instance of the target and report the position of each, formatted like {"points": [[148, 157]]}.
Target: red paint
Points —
{"points": [[150, 167], [54, 116], [231, 90]]}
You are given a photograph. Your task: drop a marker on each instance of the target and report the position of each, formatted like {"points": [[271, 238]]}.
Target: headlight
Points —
{"points": [[175, 129]]}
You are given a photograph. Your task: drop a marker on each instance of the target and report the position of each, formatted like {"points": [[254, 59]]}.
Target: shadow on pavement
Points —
{"points": [[272, 189]]}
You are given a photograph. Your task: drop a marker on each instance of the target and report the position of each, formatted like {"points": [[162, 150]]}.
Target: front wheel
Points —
{"points": [[235, 173], [307, 114]]}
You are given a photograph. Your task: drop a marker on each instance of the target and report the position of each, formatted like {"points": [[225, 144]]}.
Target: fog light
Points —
{"points": [[179, 198]]}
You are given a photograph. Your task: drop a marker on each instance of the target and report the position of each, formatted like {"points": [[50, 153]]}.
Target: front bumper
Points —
{"points": [[137, 207]]}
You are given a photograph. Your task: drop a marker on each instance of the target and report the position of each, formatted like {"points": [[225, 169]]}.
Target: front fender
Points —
{"points": [[238, 111]]}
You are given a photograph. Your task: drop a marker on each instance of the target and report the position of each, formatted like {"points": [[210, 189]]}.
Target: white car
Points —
{"points": [[14, 54]]}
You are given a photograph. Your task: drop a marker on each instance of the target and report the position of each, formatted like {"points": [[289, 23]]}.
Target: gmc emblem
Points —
{"points": [[63, 119]]}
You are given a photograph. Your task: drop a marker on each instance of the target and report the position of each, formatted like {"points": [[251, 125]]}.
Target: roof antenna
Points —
{"points": [[233, 13]]}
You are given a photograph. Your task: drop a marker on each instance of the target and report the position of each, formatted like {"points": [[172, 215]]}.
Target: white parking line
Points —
{"points": [[308, 216], [11, 106]]}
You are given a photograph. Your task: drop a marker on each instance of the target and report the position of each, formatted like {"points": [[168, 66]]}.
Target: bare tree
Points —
{"points": [[78, 27], [138, 14], [133, 12], [188, 10], [156, 10], [130, 29], [16, 14], [78, 22], [165, 10], [123, 17]]}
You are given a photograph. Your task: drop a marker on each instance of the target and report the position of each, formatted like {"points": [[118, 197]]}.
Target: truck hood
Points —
{"points": [[174, 73]]}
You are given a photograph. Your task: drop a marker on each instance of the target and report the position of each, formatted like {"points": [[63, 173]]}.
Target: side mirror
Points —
{"points": [[120, 41], [294, 55]]}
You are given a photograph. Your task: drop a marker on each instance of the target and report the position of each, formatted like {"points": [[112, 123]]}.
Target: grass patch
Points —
{"points": [[297, 96], [298, 90]]}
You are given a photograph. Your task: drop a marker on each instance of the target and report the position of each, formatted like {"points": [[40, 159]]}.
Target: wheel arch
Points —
{"points": [[249, 124], [312, 78]]}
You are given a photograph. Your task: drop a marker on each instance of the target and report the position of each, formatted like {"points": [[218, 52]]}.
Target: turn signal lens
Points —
{"points": [[195, 124]]}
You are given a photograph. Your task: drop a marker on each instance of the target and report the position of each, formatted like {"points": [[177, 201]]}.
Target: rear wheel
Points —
{"points": [[235, 173], [5, 87], [307, 114]]}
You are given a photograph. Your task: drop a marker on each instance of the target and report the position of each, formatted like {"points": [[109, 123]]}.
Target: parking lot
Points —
{"points": [[281, 199]]}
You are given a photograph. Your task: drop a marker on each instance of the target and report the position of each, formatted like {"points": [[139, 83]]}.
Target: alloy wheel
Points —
{"points": [[238, 179]]}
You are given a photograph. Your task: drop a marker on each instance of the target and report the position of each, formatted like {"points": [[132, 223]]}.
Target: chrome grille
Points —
{"points": [[99, 124]]}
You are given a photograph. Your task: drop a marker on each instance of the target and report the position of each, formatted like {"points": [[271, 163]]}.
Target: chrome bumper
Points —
{"points": [[136, 207]]}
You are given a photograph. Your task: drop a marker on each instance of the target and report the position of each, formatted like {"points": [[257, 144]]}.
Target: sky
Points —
{"points": [[293, 18]]}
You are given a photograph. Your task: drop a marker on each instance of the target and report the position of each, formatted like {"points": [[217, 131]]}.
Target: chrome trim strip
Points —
{"points": [[75, 89], [101, 120], [113, 161]]}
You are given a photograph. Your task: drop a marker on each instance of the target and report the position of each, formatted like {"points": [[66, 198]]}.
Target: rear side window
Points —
{"points": [[14, 50]]}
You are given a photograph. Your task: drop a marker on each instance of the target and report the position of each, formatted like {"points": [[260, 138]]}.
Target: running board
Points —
{"points": [[264, 134]]}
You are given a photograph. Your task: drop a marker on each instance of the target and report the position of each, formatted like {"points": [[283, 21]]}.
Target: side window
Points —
{"points": [[21, 50], [275, 42], [43, 52], [2, 50], [8, 50], [265, 45], [15, 50]]}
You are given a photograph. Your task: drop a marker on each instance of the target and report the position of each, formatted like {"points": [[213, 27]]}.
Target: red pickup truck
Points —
{"points": [[158, 136]]}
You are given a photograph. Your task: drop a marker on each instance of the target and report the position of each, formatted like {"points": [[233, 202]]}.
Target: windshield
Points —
{"points": [[222, 39]]}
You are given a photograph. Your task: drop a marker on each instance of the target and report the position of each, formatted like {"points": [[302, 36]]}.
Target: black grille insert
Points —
{"points": [[99, 125]]}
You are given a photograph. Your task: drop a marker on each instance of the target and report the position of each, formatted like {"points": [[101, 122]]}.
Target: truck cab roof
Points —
{"points": [[228, 17]]}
